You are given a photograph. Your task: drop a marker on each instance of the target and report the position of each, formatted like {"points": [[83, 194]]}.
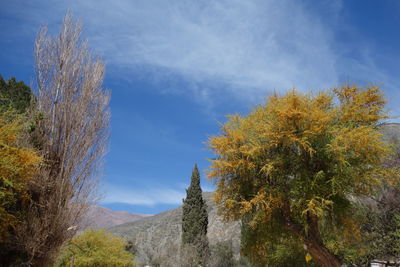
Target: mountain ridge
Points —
{"points": [[157, 239], [102, 217]]}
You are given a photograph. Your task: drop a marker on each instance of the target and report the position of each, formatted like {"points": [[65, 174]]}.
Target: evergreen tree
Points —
{"points": [[195, 220], [13, 94]]}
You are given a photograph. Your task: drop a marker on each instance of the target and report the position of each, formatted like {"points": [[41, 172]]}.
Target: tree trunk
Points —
{"points": [[322, 256], [313, 241]]}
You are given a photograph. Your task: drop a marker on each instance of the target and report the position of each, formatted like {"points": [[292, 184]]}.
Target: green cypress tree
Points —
{"points": [[195, 219]]}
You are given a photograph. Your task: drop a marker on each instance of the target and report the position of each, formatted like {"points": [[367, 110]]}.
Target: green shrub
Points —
{"points": [[95, 248]]}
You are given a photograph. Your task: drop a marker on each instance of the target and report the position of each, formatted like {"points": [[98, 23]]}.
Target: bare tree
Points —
{"points": [[72, 135]]}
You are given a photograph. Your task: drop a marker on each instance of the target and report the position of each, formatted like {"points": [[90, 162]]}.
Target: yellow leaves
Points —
{"points": [[301, 150], [17, 165], [370, 180], [317, 206], [361, 138], [289, 121], [351, 230], [308, 257], [293, 120], [392, 176], [361, 106], [257, 252], [360, 152], [268, 168], [264, 203], [346, 93]]}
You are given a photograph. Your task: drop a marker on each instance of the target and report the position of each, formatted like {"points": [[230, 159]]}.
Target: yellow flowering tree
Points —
{"points": [[299, 160]]}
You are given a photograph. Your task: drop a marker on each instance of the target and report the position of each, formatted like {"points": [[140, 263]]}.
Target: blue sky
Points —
{"points": [[176, 68]]}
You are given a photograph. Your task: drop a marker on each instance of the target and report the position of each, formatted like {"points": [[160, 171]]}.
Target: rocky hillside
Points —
{"points": [[100, 217], [391, 132], [157, 238]]}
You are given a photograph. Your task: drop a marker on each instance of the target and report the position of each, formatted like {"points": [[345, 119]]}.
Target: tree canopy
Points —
{"points": [[299, 160], [13, 94]]}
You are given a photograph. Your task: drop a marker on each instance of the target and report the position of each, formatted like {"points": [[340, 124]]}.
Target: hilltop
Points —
{"points": [[101, 217], [157, 238]]}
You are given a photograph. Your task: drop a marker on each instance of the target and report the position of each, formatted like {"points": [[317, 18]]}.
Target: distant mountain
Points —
{"points": [[157, 238], [100, 217]]}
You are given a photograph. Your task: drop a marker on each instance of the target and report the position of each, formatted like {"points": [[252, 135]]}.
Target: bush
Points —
{"points": [[95, 248]]}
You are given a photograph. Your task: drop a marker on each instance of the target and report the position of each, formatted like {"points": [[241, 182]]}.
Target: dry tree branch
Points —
{"points": [[73, 134]]}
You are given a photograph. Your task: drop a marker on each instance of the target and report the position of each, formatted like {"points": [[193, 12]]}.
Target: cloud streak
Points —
{"points": [[220, 48], [149, 196], [243, 48]]}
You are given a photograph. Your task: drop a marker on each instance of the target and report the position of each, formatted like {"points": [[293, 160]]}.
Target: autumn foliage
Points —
{"points": [[299, 160], [18, 164]]}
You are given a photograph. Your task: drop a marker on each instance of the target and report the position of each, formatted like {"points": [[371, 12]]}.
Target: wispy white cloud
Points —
{"points": [[237, 48], [244, 48], [149, 196]]}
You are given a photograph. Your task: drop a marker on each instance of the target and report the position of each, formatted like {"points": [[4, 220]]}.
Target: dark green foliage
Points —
{"points": [[195, 218], [381, 224], [270, 244], [396, 233], [222, 255], [376, 220], [16, 95]]}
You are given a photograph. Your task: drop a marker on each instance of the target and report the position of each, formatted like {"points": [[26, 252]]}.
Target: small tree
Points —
{"points": [[299, 160], [95, 248], [195, 221]]}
